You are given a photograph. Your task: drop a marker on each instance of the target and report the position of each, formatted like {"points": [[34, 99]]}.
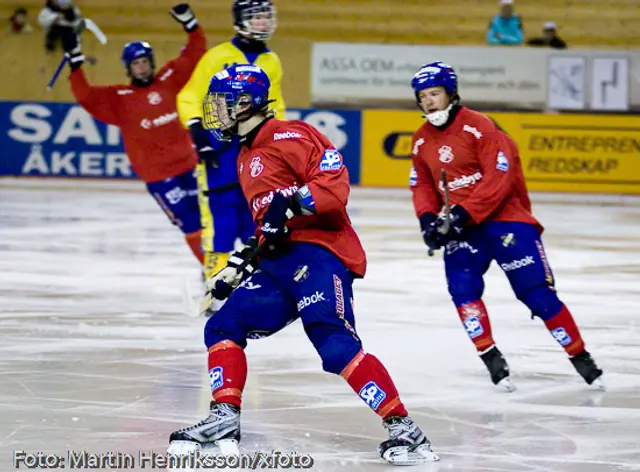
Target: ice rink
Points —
{"points": [[97, 355]]}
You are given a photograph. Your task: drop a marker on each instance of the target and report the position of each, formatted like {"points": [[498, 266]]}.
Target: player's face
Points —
{"points": [[262, 22], [433, 99], [141, 68]]}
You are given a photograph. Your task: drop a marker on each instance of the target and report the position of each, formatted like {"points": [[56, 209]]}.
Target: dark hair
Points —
{"points": [[20, 10]]}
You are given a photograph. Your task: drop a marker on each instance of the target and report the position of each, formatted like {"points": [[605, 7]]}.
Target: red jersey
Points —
{"points": [[484, 173], [154, 139], [284, 156]]}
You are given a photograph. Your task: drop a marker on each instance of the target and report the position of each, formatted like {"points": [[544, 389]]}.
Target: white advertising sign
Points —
{"points": [[610, 84], [567, 83]]}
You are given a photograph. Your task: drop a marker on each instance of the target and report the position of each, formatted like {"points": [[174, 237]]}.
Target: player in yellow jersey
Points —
{"points": [[224, 211]]}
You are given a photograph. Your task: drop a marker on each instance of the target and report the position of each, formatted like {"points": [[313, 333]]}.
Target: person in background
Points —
{"points": [[58, 18], [506, 27], [549, 37], [20, 22]]}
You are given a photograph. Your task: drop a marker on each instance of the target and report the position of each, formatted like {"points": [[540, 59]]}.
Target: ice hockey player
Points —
{"points": [[158, 147], [490, 220], [223, 209], [297, 186]]}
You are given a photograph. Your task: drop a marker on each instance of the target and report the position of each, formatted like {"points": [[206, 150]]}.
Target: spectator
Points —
{"points": [[20, 22], [549, 37], [57, 18], [506, 27]]}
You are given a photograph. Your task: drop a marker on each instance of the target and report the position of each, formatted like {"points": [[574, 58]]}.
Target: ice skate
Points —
{"points": [[407, 444], [587, 368], [221, 430], [498, 368]]}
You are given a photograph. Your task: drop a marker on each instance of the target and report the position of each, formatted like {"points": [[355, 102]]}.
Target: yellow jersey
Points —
{"points": [[221, 57]]}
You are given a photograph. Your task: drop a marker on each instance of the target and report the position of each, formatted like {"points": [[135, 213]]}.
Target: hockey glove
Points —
{"points": [[184, 15], [224, 282], [202, 142], [72, 50], [274, 222], [434, 229]]}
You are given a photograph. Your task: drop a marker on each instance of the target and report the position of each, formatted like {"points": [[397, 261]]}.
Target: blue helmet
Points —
{"points": [[246, 11], [135, 50], [436, 74], [243, 86]]}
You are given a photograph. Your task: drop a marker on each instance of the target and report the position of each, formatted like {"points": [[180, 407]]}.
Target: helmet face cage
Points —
{"points": [[219, 114], [249, 16]]}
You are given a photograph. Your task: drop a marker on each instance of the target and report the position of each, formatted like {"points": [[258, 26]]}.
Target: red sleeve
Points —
{"points": [[329, 187], [426, 198], [99, 101], [184, 64], [498, 169]]}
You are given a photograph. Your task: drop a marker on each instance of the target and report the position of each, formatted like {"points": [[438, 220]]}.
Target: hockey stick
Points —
{"points": [[444, 229], [100, 36]]}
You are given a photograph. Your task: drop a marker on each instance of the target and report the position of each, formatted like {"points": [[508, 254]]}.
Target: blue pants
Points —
{"points": [[305, 281], [178, 197], [518, 250]]}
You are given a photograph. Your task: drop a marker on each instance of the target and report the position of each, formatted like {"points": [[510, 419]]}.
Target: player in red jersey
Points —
{"points": [[297, 187], [490, 219], [159, 148]]}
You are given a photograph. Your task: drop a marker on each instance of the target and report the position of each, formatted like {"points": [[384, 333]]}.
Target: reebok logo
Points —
{"points": [[286, 135], [473, 130], [306, 301], [514, 265]]}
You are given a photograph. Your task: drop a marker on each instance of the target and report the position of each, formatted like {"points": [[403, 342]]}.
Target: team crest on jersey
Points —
{"points": [[154, 98], [331, 160], [256, 167], [446, 154]]}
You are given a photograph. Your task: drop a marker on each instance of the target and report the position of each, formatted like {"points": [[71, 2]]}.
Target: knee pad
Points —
{"points": [[465, 287], [542, 301], [337, 351], [221, 328]]}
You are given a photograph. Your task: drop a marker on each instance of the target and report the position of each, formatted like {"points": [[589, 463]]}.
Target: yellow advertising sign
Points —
{"points": [[560, 153]]}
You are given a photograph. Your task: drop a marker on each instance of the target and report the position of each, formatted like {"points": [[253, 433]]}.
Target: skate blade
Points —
{"points": [[507, 385], [404, 455], [228, 447], [599, 384]]}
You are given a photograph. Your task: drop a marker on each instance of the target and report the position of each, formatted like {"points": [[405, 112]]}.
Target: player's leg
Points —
{"points": [[521, 255], [322, 287], [178, 198], [256, 309], [465, 265]]}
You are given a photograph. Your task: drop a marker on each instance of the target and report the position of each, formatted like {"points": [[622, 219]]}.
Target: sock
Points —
{"points": [[563, 328], [370, 380], [227, 372], [193, 240], [214, 262], [475, 319]]}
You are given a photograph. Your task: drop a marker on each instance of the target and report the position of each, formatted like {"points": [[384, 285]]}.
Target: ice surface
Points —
{"points": [[96, 355]]}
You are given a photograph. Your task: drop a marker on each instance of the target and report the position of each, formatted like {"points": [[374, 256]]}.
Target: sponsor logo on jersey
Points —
{"points": [[248, 69], [416, 146], [548, 275], [473, 326], [249, 285], [332, 160], [453, 246], [518, 264], [166, 75], [561, 335], [241, 168], [125, 92], [508, 240], [446, 154], [256, 167], [473, 130], [259, 202], [462, 182], [160, 121], [413, 177], [502, 163], [286, 135], [174, 195], [337, 286], [154, 98], [301, 274], [216, 379], [304, 302], [372, 395]]}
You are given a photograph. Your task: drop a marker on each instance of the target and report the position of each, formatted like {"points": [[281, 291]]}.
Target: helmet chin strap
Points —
{"points": [[440, 117]]}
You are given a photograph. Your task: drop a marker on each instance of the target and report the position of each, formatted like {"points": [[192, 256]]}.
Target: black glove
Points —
{"points": [[281, 209], [224, 282], [184, 15], [202, 142], [434, 231], [72, 49]]}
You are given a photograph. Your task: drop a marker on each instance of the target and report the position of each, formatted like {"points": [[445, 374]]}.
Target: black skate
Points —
{"points": [[221, 429], [407, 444], [587, 368], [498, 368]]}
